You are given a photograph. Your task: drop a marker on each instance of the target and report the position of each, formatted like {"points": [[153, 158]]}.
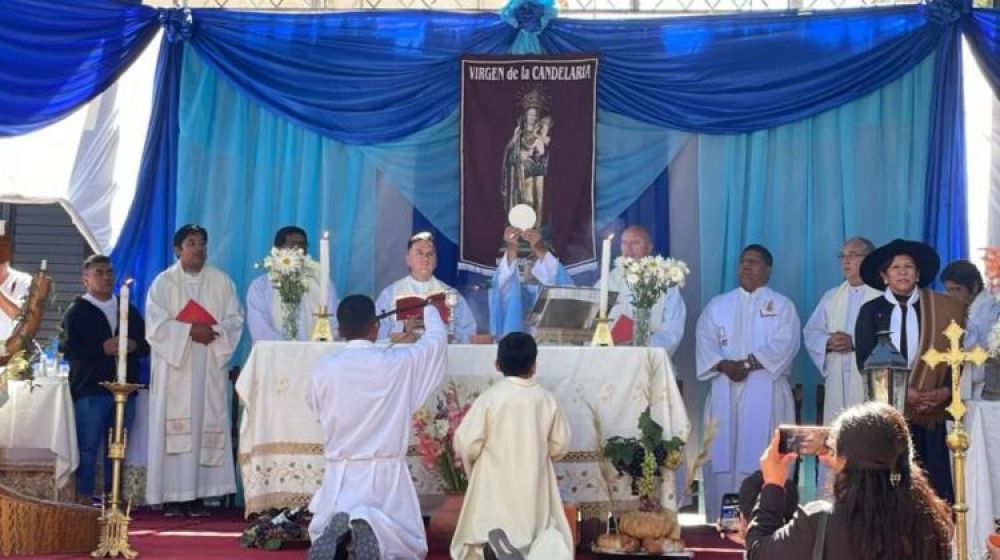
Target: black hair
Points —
{"points": [[891, 511], [188, 229], [964, 273], [516, 354], [762, 251], [355, 315], [282, 234], [94, 260]]}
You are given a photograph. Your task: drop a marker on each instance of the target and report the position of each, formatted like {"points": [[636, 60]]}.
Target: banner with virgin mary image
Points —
{"points": [[527, 137]]}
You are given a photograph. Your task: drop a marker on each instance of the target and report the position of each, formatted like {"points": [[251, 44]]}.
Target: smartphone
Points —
{"points": [[729, 515], [804, 440]]}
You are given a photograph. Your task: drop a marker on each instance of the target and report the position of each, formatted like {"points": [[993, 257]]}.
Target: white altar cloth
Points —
{"points": [[281, 450]]}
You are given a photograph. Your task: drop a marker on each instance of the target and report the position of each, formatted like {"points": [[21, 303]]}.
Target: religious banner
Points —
{"points": [[527, 137]]}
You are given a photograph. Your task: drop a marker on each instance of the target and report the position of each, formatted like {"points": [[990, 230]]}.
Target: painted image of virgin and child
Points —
{"points": [[526, 155]]}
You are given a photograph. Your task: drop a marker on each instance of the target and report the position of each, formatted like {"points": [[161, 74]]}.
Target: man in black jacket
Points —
{"points": [[90, 328]]}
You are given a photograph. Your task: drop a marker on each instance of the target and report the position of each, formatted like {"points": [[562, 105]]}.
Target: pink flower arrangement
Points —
{"points": [[435, 431]]}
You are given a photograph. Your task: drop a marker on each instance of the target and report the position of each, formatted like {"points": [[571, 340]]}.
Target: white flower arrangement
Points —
{"points": [[290, 271], [650, 277]]}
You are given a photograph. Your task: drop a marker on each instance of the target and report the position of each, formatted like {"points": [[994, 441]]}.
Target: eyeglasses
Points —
{"points": [[843, 256]]}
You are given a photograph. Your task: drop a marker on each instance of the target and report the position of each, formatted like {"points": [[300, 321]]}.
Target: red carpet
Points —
{"points": [[159, 538]]}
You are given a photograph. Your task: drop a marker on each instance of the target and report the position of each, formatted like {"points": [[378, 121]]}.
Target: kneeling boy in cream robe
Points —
{"points": [[507, 442]]}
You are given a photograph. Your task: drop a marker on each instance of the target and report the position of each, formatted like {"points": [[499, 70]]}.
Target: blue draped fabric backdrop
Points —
{"points": [[301, 125], [803, 188], [56, 56], [145, 243]]}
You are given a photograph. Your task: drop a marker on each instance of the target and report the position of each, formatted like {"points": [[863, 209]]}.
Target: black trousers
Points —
{"points": [[934, 457]]}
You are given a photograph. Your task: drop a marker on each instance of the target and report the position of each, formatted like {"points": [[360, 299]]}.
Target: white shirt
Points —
{"points": [[844, 386], [109, 308], [731, 327], [365, 397], [263, 312], [15, 287]]}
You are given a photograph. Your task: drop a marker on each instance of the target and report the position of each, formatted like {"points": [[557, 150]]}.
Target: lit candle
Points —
{"points": [[324, 270], [123, 331], [605, 270]]}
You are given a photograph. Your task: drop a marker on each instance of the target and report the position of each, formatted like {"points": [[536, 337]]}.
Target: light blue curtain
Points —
{"points": [[803, 188], [243, 172]]}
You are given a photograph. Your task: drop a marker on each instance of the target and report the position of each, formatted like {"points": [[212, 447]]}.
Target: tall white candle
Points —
{"points": [[324, 269], [123, 296], [605, 270], [45, 265]]}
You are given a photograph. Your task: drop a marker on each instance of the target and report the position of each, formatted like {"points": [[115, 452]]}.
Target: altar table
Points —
{"points": [[982, 472], [281, 444], [38, 428]]}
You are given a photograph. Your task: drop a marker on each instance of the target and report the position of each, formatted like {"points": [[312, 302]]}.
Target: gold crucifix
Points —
{"points": [[958, 438], [955, 357]]}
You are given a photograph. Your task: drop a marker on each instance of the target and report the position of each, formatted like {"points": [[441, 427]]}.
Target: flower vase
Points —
{"points": [[444, 520], [290, 319], [640, 330]]}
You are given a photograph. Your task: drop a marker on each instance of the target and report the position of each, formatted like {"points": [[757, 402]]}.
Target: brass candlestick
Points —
{"points": [[113, 523], [602, 334], [958, 438], [322, 331]]}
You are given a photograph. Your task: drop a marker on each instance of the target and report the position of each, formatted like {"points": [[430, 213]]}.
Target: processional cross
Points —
{"points": [[958, 439]]}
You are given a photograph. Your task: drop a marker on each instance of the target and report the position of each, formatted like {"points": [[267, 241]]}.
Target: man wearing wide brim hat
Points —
{"points": [[917, 317]]}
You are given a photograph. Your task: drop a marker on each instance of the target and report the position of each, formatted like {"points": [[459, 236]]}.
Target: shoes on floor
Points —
{"points": [[173, 509], [501, 546], [196, 508], [336, 532], [364, 544]]}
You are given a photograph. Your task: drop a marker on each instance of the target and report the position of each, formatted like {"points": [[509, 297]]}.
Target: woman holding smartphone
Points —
{"points": [[882, 506]]}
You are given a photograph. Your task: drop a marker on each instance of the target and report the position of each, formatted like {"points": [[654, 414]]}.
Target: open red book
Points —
{"points": [[409, 307], [194, 313], [621, 333]]}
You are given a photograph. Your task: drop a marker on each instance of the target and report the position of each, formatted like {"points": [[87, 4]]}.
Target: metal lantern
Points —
{"points": [[886, 373]]}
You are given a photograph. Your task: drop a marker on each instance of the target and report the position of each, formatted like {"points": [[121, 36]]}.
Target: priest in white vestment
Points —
{"points": [[746, 341], [829, 336], [14, 286], [666, 319], [193, 324], [421, 259], [365, 397], [963, 281], [508, 441], [264, 302], [509, 299]]}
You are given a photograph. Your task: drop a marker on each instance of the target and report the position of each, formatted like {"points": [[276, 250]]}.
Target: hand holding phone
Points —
{"points": [[804, 440], [729, 515]]}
